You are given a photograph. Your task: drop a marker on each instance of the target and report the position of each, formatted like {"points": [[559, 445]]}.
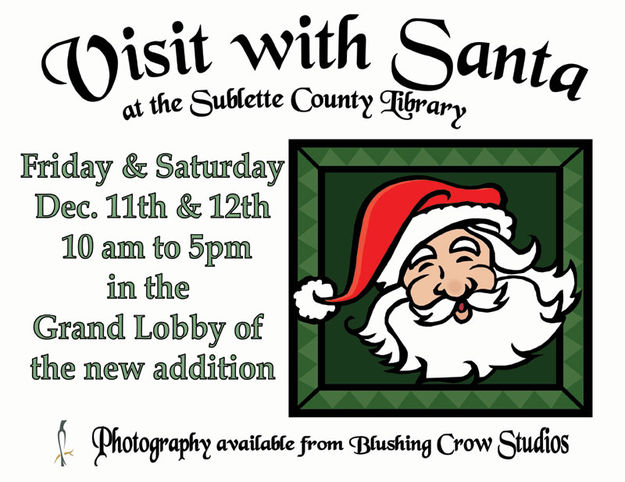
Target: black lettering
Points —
{"points": [[268, 44], [519, 63], [75, 77], [359, 40], [426, 50], [506, 443], [156, 58], [557, 85], [465, 68]]}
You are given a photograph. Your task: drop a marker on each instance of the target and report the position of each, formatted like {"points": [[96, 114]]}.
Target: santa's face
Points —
{"points": [[452, 265], [467, 301]]}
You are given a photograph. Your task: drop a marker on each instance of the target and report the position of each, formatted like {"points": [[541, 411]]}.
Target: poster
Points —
{"points": [[251, 239]]}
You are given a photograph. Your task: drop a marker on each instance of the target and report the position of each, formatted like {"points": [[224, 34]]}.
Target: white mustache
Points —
{"points": [[444, 308]]}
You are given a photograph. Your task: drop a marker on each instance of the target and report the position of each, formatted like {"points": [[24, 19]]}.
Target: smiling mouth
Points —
{"points": [[462, 311]]}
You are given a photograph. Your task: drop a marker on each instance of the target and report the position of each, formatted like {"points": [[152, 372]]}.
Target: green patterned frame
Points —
{"points": [[569, 160]]}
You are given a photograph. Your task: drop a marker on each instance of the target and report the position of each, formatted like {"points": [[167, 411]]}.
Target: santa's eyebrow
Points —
{"points": [[465, 243], [426, 252]]}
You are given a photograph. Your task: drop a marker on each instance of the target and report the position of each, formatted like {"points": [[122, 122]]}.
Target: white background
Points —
{"points": [[38, 116]]}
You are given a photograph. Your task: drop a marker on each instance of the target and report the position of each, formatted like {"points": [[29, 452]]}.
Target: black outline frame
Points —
{"points": [[296, 146]]}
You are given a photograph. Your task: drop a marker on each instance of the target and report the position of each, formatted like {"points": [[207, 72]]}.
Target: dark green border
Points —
{"points": [[570, 160]]}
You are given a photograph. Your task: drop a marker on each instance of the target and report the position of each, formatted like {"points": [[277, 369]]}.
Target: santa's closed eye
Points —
{"points": [[423, 254], [464, 243]]}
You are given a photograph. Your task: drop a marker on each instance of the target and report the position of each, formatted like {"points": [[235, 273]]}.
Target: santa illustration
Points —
{"points": [[455, 296]]}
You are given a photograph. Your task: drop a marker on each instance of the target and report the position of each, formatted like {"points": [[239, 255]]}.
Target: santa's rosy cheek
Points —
{"points": [[484, 277], [421, 292]]}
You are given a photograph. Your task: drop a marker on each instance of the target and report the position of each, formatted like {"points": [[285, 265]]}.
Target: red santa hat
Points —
{"points": [[398, 218]]}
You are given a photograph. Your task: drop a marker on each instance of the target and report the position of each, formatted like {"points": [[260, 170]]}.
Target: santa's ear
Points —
{"points": [[309, 299]]}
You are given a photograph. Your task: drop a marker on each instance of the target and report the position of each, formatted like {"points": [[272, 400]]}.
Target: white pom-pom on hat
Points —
{"points": [[306, 300]]}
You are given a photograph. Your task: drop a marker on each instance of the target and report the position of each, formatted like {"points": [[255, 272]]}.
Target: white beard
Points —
{"points": [[520, 319]]}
